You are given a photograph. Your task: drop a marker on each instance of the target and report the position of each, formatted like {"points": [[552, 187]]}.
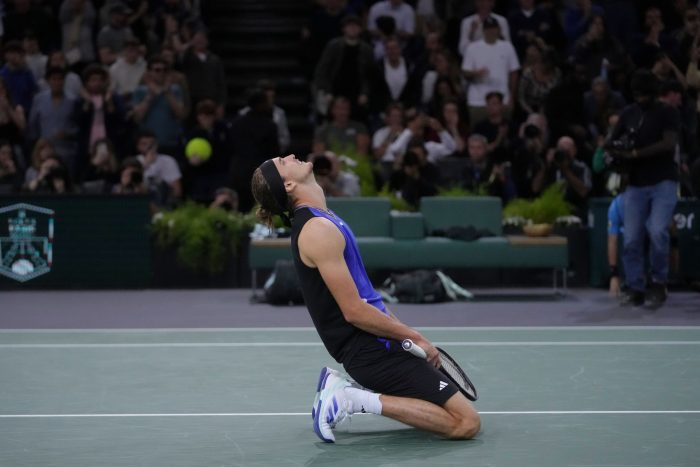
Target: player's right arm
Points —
{"points": [[321, 246]]}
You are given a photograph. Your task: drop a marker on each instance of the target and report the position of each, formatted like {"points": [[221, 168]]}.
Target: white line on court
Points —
{"points": [[133, 345], [306, 414], [309, 329]]}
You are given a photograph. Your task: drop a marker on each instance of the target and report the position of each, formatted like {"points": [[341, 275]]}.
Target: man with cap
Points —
{"points": [[354, 324], [115, 33], [490, 64]]}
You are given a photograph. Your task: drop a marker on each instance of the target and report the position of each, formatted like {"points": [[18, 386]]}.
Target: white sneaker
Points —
{"points": [[332, 407], [325, 371]]}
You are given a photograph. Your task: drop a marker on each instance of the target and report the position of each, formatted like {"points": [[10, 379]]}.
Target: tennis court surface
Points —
{"points": [[550, 396]]}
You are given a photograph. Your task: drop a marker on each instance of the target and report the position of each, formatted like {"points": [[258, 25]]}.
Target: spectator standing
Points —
{"points": [[99, 114], [490, 64], [205, 73], [73, 86], [36, 60], [174, 76], [529, 23], [538, 80], [159, 106], [127, 72], [472, 27], [52, 118], [443, 67], [78, 19], [345, 69], [30, 19], [279, 116], [19, 80], [324, 25], [451, 118], [577, 19], [395, 78], [599, 103], [13, 120], [404, 20], [600, 52], [254, 140], [341, 132]]}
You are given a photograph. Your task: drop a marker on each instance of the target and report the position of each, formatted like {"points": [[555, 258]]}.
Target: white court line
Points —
{"points": [[135, 345], [306, 414], [309, 328]]}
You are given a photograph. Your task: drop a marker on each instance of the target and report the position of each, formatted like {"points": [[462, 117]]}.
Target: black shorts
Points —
{"points": [[385, 368]]}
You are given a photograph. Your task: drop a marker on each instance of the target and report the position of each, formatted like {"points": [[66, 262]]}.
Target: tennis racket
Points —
{"points": [[448, 367]]}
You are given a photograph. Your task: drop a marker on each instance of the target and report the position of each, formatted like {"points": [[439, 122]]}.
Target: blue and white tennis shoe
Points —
{"points": [[332, 405]]}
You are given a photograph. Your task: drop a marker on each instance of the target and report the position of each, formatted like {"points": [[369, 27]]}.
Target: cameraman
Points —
{"points": [[562, 165], [645, 143]]}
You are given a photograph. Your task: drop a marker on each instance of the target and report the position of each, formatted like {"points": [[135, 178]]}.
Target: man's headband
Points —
{"points": [[274, 181]]}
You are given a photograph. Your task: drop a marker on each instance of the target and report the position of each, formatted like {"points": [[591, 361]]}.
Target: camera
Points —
{"points": [[531, 131], [136, 178], [626, 142], [560, 156]]}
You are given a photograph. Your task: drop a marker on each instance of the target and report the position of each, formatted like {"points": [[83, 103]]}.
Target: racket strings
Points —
{"points": [[454, 372]]}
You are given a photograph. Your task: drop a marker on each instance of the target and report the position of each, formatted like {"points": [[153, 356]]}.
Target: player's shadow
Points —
{"points": [[394, 445]]}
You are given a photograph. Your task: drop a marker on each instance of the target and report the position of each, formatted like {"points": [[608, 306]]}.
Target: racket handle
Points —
{"points": [[414, 349]]}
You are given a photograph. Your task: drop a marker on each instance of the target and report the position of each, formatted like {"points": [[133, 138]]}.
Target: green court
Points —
{"points": [[552, 396]]}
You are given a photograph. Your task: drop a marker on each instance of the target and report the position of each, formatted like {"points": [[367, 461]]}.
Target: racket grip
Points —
{"points": [[414, 349]]}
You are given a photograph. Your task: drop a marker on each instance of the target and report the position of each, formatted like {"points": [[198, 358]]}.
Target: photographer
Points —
{"points": [[644, 143], [131, 179], [562, 165], [333, 180]]}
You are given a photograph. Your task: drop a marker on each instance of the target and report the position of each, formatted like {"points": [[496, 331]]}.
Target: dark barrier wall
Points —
{"points": [[97, 242], [687, 223]]}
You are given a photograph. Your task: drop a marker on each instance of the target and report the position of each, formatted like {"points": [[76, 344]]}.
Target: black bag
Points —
{"points": [[419, 286], [282, 287]]}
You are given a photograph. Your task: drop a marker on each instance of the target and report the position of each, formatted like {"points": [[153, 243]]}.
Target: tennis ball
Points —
{"points": [[199, 148]]}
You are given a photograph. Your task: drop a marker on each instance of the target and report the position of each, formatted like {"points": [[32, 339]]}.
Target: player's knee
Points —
{"points": [[466, 427]]}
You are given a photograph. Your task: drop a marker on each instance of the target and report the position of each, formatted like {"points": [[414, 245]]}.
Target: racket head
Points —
{"points": [[450, 368]]}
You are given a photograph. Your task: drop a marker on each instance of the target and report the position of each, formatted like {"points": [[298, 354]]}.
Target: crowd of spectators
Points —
{"points": [[500, 97]]}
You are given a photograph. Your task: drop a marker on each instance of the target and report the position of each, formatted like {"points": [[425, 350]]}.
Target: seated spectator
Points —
{"points": [[495, 127], [416, 127], [529, 23], [341, 132], [490, 64], [205, 72], [665, 70], [578, 17], [472, 27], [538, 80], [42, 151], [10, 174], [19, 80], [486, 174], [78, 19], [53, 178], [563, 164], [416, 177], [107, 57], [103, 170], [52, 118], [13, 121], [226, 199], [344, 69], [159, 107], [383, 137], [599, 103], [395, 78], [160, 171], [528, 157], [332, 178], [131, 179], [600, 52], [73, 85], [36, 60], [117, 32], [445, 91], [126, 73], [444, 67], [279, 116], [202, 177], [99, 113], [454, 123]]}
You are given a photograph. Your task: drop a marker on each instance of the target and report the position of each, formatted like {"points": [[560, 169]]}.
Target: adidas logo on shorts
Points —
{"points": [[443, 385]]}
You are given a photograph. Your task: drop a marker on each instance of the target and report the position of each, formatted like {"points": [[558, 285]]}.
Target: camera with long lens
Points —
{"points": [[560, 156], [626, 142]]}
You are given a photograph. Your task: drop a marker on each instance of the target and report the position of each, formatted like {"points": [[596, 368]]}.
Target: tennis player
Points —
{"points": [[354, 324]]}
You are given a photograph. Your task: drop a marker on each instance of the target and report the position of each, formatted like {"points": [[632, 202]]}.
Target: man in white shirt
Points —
{"points": [[158, 168], [490, 64], [472, 28], [404, 16], [126, 73]]}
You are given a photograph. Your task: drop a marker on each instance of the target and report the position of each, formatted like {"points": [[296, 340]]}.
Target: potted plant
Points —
{"points": [[537, 216], [197, 246]]}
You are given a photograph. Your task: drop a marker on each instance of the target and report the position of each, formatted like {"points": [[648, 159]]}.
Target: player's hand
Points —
{"points": [[430, 350]]}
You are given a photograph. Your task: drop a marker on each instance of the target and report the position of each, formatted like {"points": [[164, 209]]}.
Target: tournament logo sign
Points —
{"points": [[26, 241]]}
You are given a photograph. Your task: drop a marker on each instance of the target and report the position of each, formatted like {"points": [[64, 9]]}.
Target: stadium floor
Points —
{"points": [[203, 378]]}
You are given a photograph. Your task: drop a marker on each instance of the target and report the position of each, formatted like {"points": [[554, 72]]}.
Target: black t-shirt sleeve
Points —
{"points": [[670, 119]]}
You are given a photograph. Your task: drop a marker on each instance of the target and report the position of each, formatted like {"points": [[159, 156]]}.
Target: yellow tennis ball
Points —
{"points": [[198, 147]]}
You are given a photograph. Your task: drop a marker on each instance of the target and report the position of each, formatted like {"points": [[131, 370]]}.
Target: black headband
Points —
{"points": [[274, 181]]}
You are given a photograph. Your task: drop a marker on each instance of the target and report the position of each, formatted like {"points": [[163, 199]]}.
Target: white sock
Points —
{"points": [[363, 401]]}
